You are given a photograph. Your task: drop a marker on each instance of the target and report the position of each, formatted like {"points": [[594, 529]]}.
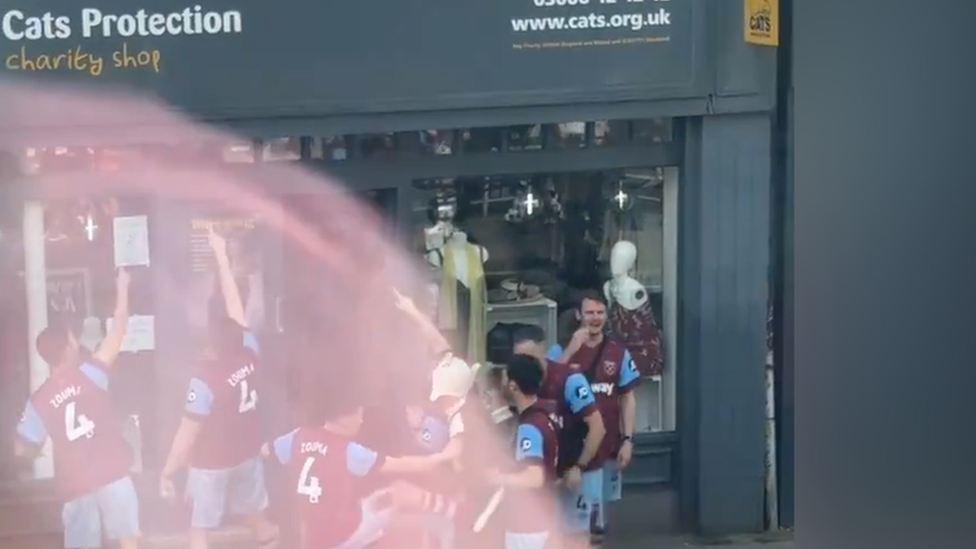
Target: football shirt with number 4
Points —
{"points": [[224, 397], [329, 477], [74, 408]]}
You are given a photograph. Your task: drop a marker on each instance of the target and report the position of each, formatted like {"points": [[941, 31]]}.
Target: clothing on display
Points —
{"points": [[638, 331], [630, 315], [461, 304]]}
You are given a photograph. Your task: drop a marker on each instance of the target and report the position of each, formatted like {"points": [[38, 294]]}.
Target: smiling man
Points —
{"points": [[612, 377]]}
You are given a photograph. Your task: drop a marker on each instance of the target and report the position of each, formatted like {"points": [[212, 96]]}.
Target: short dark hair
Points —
{"points": [[52, 342], [529, 332], [526, 372], [590, 295], [226, 336]]}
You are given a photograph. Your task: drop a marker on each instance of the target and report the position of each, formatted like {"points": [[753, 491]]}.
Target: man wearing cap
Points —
{"points": [[472, 437]]}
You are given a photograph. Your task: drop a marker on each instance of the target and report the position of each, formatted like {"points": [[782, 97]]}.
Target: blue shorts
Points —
{"points": [[113, 510], [612, 482], [579, 506], [238, 490], [519, 540]]}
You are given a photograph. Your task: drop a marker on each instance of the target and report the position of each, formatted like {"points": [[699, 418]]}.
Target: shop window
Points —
{"points": [[436, 142], [544, 240], [482, 140], [377, 145], [48, 160], [525, 137], [654, 130], [234, 153], [333, 148], [567, 135], [612, 133], [609, 133], [282, 148]]}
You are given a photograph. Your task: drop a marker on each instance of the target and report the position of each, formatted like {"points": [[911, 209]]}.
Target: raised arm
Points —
{"points": [[437, 340], [108, 350], [228, 286]]}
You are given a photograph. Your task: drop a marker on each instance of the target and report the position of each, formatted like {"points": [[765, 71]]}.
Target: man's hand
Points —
{"points": [[405, 304], [580, 337], [122, 281], [573, 478], [167, 490], [625, 454], [217, 243]]}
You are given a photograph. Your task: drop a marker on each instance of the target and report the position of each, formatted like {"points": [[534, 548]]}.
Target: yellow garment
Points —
{"points": [[475, 345]]}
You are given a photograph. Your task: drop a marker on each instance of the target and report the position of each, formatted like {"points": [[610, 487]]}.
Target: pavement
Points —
{"points": [[739, 542], [642, 520]]}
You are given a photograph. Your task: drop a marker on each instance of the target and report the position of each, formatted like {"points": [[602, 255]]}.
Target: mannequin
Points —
{"points": [[630, 315], [462, 295]]}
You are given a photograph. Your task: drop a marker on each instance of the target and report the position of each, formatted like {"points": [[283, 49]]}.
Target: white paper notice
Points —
{"points": [[131, 240], [140, 335]]}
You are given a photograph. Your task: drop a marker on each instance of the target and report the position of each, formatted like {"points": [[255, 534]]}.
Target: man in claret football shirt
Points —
{"points": [[333, 478], [528, 504], [91, 457], [220, 436], [613, 377], [581, 435]]}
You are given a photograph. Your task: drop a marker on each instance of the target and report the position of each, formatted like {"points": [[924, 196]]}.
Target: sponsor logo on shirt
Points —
{"points": [[582, 392], [525, 444], [191, 396], [603, 388]]}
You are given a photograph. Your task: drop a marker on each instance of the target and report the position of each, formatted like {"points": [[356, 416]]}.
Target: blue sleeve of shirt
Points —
{"points": [[628, 371], [96, 373], [31, 428], [251, 342], [554, 352], [199, 399], [360, 459], [530, 442], [283, 446], [434, 434], [577, 393]]}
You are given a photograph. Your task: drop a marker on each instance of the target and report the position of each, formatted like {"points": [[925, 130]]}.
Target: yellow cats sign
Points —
{"points": [[761, 22]]}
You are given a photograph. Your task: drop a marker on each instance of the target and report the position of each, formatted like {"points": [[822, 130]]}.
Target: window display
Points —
{"points": [[522, 249]]}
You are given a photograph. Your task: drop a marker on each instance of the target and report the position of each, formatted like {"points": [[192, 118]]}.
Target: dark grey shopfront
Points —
{"points": [[268, 70]]}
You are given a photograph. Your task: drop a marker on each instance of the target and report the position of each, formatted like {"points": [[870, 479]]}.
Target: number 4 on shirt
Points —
{"points": [[77, 425], [249, 399], [308, 484]]}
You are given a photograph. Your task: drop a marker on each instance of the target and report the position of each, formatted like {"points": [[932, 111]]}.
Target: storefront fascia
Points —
{"points": [[713, 459]]}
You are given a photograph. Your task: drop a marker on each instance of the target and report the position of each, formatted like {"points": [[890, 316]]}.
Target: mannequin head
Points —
{"points": [[622, 258]]}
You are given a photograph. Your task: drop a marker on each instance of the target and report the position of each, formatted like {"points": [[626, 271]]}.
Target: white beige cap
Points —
{"points": [[452, 377]]}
